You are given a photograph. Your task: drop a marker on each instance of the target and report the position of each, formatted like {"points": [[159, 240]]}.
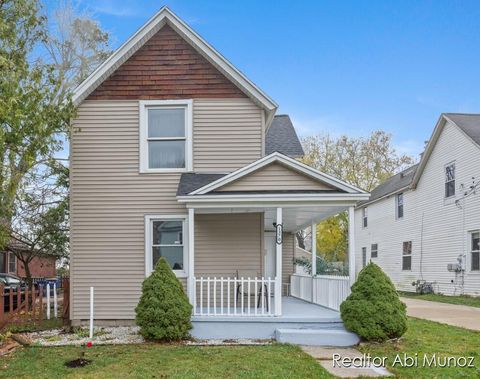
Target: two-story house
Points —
{"points": [[424, 223], [176, 154]]}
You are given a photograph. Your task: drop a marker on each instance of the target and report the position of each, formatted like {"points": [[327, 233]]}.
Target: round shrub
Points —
{"points": [[373, 310], [163, 312]]}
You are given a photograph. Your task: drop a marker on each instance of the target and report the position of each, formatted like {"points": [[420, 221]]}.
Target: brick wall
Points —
{"points": [[39, 268], [166, 67]]}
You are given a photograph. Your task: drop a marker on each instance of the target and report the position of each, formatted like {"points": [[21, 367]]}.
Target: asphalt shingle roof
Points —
{"points": [[281, 137], [190, 182], [469, 123], [392, 184]]}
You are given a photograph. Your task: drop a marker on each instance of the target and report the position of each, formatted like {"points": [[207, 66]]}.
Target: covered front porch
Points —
{"points": [[241, 235], [250, 277]]}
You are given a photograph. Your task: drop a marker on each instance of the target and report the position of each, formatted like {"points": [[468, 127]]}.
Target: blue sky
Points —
{"points": [[338, 66]]}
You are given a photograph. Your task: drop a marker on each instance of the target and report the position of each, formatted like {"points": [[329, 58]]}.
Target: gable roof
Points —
{"points": [[281, 137], [469, 124], [284, 160], [392, 185], [162, 17]]}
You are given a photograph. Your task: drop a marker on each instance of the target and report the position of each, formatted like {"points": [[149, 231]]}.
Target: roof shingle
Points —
{"points": [[281, 137]]}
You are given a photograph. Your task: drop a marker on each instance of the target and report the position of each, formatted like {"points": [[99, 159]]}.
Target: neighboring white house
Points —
{"points": [[426, 218]]}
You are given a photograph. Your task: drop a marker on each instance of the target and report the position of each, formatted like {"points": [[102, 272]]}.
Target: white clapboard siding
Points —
{"points": [[438, 228]]}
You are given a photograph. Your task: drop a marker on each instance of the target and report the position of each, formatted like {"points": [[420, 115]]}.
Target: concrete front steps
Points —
{"points": [[335, 336]]}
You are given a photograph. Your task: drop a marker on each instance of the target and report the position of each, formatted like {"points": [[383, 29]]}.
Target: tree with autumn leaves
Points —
{"points": [[364, 162]]}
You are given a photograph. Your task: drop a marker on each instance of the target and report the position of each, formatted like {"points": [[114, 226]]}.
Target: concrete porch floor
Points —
{"points": [[301, 323], [293, 310]]}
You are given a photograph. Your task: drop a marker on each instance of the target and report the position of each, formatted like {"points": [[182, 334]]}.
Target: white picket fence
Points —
{"points": [[234, 297], [326, 290]]}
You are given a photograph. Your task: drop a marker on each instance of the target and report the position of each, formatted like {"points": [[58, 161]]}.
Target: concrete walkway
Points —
{"points": [[451, 314], [345, 362]]}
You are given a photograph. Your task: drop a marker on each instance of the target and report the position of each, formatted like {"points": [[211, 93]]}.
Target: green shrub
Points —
{"points": [[373, 310], [163, 312]]}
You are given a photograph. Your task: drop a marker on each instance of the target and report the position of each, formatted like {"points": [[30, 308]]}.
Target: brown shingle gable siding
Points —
{"points": [[166, 67]]}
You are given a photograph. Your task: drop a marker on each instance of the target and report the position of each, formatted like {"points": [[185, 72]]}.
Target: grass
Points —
{"points": [[34, 326], [428, 337], [164, 361], [461, 300]]}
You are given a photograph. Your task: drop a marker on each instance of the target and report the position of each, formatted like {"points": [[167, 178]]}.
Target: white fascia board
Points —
{"points": [[403, 189], [287, 161], [165, 15], [340, 198]]}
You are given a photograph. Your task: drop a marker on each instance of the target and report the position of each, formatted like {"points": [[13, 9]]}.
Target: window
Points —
{"points": [[364, 256], [475, 247], [12, 262], [374, 250], [399, 200], [165, 135], [365, 217], [165, 238], [450, 180], [407, 256]]}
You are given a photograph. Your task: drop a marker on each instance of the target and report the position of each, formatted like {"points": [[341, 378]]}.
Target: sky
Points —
{"points": [[338, 67]]}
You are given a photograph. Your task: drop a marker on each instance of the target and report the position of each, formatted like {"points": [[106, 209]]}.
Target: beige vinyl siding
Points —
{"points": [[275, 177], [287, 261], [109, 200], [227, 134], [225, 243]]}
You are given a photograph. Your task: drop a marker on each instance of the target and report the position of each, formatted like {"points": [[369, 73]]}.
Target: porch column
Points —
{"points": [[278, 279], [351, 244], [191, 252], [314, 260]]}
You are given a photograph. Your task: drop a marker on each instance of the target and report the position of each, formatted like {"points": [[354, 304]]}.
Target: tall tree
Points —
{"points": [[76, 45], [363, 162], [31, 118]]}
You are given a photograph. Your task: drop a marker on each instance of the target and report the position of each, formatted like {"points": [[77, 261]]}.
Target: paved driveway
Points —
{"points": [[452, 314]]}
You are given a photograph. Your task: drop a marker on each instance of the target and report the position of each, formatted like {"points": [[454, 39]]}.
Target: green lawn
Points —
{"points": [[427, 337], [164, 361], [462, 300]]}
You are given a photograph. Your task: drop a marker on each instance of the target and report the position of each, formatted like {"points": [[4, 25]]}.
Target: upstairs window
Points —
{"points": [[165, 136], [450, 180], [475, 247], [365, 217], [407, 256], [399, 201], [374, 250]]}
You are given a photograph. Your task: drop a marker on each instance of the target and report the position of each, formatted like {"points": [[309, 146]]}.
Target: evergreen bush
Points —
{"points": [[373, 310], [164, 311]]}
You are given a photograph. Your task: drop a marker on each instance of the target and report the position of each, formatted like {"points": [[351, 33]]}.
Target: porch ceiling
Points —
{"points": [[294, 218]]}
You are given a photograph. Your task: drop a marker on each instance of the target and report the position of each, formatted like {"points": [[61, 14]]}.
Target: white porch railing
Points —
{"points": [[234, 297], [326, 290]]}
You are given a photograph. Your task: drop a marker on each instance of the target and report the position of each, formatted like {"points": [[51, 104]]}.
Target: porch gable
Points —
{"points": [[275, 177]]}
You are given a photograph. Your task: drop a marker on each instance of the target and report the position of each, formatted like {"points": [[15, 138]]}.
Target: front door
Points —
{"points": [[269, 258]]}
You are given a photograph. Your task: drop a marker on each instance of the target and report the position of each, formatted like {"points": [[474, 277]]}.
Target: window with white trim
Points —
{"points": [[374, 250], [364, 256], [399, 205], [407, 256], [165, 238], [475, 250], [12, 262], [364, 217], [450, 180], [165, 136]]}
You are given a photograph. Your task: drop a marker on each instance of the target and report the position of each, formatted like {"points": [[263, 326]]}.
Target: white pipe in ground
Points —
{"points": [[91, 312]]}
